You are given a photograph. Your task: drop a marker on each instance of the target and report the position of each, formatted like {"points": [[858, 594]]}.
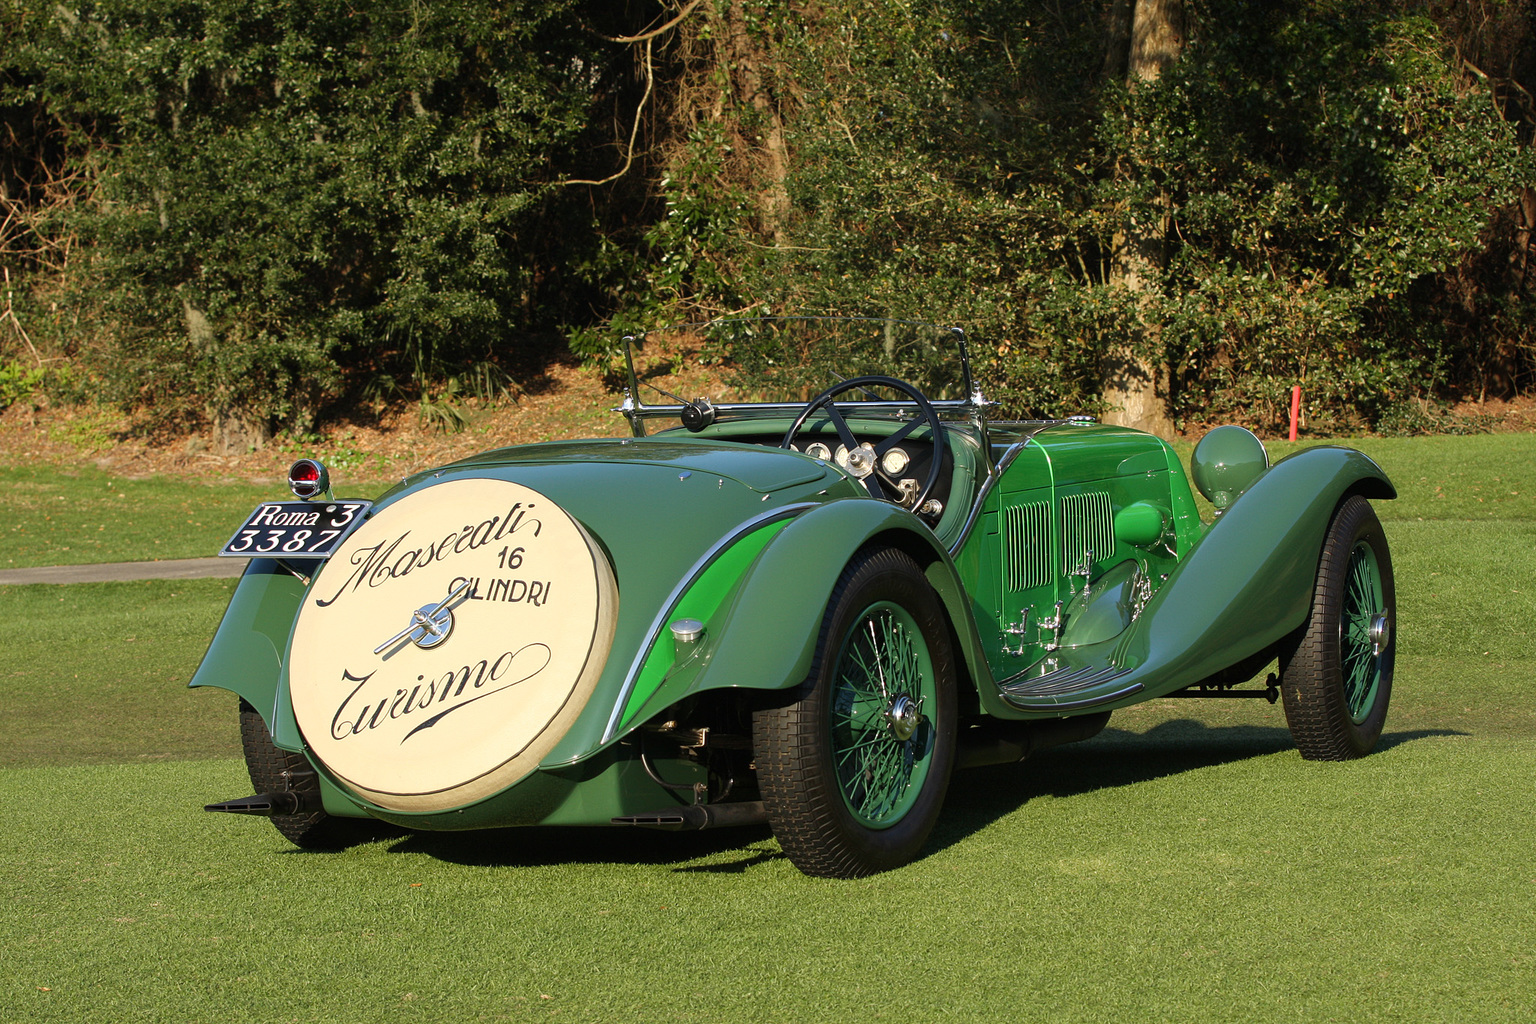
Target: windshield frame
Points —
{"points": [[970, 409]]}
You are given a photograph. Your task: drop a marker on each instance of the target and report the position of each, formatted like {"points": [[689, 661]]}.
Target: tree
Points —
{"points": [[1146, 36]]}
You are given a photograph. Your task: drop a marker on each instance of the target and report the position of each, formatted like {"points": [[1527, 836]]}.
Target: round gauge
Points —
{"points": [[842, 455], [817, 450], [895, 461]]}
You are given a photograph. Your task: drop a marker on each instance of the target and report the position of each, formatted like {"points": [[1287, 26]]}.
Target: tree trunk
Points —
{"points": [[1145, 37], [751, 73]]}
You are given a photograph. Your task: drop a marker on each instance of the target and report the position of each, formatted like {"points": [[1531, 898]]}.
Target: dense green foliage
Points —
{"points": [[293, 191], [1324, 170], [272, 205]]}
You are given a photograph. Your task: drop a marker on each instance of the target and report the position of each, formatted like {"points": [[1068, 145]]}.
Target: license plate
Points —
{"points": [[295, 529]]}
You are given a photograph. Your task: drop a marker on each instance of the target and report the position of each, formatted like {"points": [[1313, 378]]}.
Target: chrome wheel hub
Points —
{"points": [[1380, 632], [903, 717]]}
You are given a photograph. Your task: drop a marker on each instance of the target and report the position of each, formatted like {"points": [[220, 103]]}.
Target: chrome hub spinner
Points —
{"points": [[903, 717], [430, 624], [1380, 632]]}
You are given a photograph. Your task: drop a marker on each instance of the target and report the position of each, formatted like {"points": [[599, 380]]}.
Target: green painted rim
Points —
{"points": [[884, 687], [1360, 662]]}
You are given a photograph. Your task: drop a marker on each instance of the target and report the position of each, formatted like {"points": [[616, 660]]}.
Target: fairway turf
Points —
{"points": [[1221, 879], [1186, 865]]}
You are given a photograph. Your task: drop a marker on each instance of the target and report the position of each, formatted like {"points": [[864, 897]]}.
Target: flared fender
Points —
{"points": [[246, 653], [764, 636], [1249, 581]]}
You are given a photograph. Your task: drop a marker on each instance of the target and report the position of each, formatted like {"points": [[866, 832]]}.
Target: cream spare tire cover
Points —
{"points": [[449, 643]]}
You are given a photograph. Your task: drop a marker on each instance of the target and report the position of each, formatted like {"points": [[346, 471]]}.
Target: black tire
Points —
{"points": [[269, 767], [1336, 672], [872, 808]]}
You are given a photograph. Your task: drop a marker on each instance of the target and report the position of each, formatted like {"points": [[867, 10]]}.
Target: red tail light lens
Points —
{"points": [[308, 479]]}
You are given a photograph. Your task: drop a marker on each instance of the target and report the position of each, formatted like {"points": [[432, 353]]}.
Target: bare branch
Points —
{"points": [[646, 37], [634, 131]]}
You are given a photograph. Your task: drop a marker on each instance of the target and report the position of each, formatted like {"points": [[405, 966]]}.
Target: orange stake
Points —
{"points": [[1295, 409]]}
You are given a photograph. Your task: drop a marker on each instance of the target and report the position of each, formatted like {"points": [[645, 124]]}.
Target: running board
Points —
{"points": [[1066, 690], [693, 817]]}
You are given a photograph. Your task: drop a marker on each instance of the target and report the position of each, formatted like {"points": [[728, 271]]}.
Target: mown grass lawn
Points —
{"points": [[1186, 865]]}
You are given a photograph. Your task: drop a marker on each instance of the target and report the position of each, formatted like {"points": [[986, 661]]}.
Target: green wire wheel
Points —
{"points": [[1336, 671], [853, 769], [883, 692]]}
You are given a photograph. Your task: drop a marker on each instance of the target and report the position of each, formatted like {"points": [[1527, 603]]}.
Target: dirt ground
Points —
{"points": [[567, 400]]}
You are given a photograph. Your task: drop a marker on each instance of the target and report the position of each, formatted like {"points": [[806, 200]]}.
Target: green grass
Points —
{"points": [[1187, 865], [99, 674], [79, 516], [1220, 879]]}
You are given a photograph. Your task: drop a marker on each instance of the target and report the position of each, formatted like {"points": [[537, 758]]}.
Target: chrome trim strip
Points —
{"points": [[998, 470], [664, 615], [762, 410]]}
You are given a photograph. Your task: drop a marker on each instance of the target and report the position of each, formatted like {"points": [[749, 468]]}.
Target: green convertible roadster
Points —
{"points": [[804, 599]]}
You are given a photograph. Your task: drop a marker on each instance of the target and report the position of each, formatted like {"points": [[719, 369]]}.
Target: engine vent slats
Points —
{"points": [[1087, 524], [1028, 537]]}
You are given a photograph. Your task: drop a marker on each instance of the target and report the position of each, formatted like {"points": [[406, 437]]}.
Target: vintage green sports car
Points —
{"points": [[805, 600]]}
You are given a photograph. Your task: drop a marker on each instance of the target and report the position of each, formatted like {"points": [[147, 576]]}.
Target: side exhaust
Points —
{"points": [[693, 817], [270, 805]]}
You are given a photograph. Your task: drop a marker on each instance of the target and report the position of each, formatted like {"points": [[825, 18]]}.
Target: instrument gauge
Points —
{"points": [[817, 450], [842, 456], [895, 462]]}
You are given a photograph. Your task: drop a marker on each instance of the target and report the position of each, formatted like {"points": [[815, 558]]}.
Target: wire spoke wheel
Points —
{"points": [[1360, 645], [853, 769], [1336, 672], [882, 741]]}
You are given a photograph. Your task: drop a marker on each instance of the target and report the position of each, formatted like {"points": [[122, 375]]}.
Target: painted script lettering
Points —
{"points": [[432, 700], [393, 558], [510, 591]]}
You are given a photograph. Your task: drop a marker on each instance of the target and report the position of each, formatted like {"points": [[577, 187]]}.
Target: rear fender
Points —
{"points": [[246, 653], [764, 634]]}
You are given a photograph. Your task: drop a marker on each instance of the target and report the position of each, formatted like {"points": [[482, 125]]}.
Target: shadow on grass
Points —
{"points": [[1115, 758], [537, 846]]}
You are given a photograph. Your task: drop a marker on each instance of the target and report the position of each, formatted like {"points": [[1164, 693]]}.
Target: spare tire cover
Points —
{"points": [[421, 718]]}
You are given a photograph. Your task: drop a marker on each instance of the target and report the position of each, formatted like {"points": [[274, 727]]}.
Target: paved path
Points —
{"points": [[170, 569]]}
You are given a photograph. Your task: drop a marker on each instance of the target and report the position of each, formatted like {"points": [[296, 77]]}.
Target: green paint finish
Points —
{"points": [[1103, 611], [769, 630], [1187, 527], [1087, 452], [1249, 581], [1141, 523], [246, 654], [608, 785], [702, 601], [1226, 462], [764, 470]]}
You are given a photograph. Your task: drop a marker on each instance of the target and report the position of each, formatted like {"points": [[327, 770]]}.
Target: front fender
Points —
{"points": [[1249, 581], [764, 636]]}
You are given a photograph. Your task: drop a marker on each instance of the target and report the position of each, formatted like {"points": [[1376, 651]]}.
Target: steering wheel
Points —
{"points": [[864, 458]]}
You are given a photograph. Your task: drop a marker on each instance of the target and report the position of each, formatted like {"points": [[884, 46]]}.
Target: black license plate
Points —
{"points": [[295, 529]]}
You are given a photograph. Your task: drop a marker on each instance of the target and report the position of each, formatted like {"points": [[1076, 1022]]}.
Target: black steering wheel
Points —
{"points": [[864, 458]]}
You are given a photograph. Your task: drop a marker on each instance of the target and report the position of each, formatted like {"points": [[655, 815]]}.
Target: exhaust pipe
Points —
{"points": [[271, 805], [693, 817]]}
